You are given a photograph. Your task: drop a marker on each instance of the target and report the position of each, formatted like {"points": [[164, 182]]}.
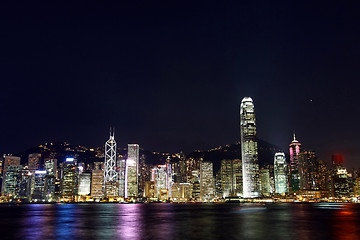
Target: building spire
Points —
{"points": [[112, 132], [294, 136]]}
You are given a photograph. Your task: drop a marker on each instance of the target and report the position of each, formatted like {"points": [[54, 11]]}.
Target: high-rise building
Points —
{"points": [[34, 161], [51, 166], [132, 171], [280, 173], [249, 149], [50, 188], [309, 171], [231, 178], [357, 187], [340, 181], [27, 180], [84, 184], [69, 180], [207, 185], [39, 186], [295, 149], [9, 160], [97, 181], [110, 174], [12, 181], [121, 173], [161, 177], [192, 164], [264, 176], [150, 192]]}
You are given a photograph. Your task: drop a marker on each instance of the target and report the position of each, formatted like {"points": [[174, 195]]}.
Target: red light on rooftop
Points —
{"points": [[337, 159]]}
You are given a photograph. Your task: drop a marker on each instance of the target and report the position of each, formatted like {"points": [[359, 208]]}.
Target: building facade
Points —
{"points": [[295, 150], [132, 171], [249, 149], [207, 185], [280, 173]]}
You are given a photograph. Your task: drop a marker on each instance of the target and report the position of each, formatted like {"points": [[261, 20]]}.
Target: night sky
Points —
{"points": [[170, 75]]}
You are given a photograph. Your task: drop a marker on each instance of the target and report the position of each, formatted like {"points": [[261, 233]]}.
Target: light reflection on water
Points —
{"points": [[180, 221]]}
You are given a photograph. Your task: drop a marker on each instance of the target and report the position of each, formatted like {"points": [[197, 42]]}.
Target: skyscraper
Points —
{"points": [[69, 181], [9, 160], [39, 186], [264, 176], [280, 173], [162, 181], [97, 181], [231, 178], [121, 173], [207, 185], [51, 166], [34, 161], [84, 183], [249, 149], [295, 149], [132, 171], [110, 174], [12, 181]]}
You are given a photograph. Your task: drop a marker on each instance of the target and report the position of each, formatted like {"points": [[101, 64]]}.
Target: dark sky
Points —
{"points": [[170, 75]]}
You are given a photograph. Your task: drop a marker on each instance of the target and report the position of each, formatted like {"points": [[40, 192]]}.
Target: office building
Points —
{"points": [[84, 183], [110, 175], [69, 180], [132, 171], [264, 176], [207, 185], [295, 150], [280, 173], [249, 149], [34, 161]]}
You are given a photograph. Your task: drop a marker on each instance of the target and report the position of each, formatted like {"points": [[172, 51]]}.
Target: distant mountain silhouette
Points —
{"points": [[83, 154]]}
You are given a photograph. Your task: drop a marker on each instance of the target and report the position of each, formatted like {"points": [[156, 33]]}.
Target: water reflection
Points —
{"points": [[180, 221], [129, 224], [37, 222], [66, 224], [345, 223]]}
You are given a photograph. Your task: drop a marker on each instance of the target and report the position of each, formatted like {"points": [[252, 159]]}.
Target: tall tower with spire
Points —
{"points": [[249, 149], [295, 149], [110, 175]]}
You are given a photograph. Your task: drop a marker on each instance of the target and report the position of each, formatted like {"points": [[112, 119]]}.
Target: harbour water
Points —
{"points": [[180, 221]]}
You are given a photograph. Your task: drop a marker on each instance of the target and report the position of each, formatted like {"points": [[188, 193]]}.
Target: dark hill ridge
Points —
{"points": [[87, 155], [266, 153]]}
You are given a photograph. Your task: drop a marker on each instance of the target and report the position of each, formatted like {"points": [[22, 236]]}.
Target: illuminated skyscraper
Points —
{"points": [[162, 180], [280, 173], [69, 180], [39, 186], [231, 178], [84, 184], [310, 175], [9, 160], [97, 181], [12, 181], [110, 174], [121, 173], [34, 161], [207, 185], [295, 149], [249, 149], [132, 171], [264, 175], [51, 166]]}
